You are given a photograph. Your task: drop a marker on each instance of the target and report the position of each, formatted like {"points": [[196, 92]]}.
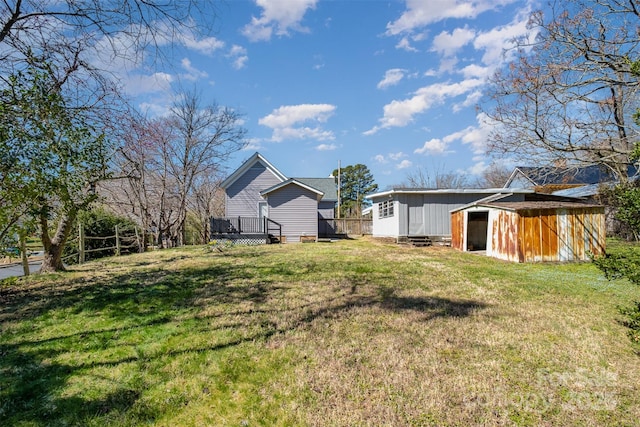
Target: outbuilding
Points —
{"points": [[530, 231]]}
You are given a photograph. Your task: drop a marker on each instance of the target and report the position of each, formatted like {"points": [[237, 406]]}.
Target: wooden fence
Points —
{"points": [[345, 226], [115, 244]]}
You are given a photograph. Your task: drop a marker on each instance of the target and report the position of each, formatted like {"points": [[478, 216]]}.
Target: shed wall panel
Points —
{"points": [[549, 236], [504, 236]]}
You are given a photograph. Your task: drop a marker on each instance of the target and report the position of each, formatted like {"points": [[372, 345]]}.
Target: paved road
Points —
{"points": [[16, 269]]}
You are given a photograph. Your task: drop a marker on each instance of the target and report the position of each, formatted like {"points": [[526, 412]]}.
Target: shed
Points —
{"points": [[530, 231], [408, 213]]}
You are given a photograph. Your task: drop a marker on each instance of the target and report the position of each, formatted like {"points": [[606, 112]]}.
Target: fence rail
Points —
{"points": [[342, 226]]}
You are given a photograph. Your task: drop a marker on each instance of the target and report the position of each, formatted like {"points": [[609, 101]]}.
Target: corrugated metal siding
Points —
{"points": [[296, 209], [503, 235], [242, 196], [546, 235], [437, 208]]}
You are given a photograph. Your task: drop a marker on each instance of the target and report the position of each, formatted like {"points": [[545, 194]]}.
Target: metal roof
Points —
{"points": [[488, 191], [539, 205]]}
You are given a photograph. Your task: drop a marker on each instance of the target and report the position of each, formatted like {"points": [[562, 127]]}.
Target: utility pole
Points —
{"points": [[339, 173]]}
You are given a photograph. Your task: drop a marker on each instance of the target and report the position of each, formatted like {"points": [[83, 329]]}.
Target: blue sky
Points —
{"points": [[391, 84]]}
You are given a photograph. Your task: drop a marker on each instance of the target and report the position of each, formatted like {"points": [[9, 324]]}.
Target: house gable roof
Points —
{"points": [[327, 186], [255, 158], [292, 181]]}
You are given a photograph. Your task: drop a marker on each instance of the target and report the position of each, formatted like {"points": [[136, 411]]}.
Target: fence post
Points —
{"points": [[80, 244], [135, 229], [117, 241], [239, 225]]}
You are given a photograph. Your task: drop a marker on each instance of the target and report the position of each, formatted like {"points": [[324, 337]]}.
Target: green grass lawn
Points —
{"points": [[351, 333]]}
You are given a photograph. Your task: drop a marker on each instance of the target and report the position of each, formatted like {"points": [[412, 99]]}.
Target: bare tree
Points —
{"points": [[206, 201], [570, 94], [205, 137], [423, 178], [495, 176], [172, 165]]}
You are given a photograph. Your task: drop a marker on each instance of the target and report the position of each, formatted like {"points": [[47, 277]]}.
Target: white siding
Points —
{"points": [[385, 227], [243, 195], [296, 209]]}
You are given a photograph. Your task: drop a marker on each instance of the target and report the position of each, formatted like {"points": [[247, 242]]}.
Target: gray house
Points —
{"points": [[421, 215], [261, 201]]}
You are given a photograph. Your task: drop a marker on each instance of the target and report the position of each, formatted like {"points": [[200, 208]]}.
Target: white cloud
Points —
{"points": [[400, 113], [496, 41], [447, 44], [279, 17], [404, 164], [287, 122], [380, 158], [192, 73], [253, 144], [326, 147], [317, 133], [397, 156], [475, 71], [470, 101], [205, 45], [238, 55], [405, 44], [421, 13], [448, 65], [137, 84], [475, 136], [478, 168], [391, 78], [433, 146]]}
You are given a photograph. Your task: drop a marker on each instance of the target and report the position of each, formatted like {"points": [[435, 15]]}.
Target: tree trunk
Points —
{"points": [[53, 247]]}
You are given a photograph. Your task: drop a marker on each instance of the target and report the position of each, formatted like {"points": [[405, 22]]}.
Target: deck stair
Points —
{"points": [[419, 241]]}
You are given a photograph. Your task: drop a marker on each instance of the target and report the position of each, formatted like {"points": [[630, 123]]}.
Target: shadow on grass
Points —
{"points": [[35, 384]]}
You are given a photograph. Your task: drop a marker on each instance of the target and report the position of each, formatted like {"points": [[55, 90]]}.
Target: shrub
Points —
{"points": [[621, 263]]}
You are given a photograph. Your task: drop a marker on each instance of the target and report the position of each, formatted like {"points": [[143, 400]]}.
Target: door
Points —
{"points": [[416, 214], [263, 212]]}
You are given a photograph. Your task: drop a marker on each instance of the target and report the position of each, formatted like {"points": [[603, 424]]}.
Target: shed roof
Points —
{"points": [[532, 201], [539, 205], [488, 191]]}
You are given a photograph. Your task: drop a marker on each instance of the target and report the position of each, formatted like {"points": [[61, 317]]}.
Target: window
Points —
{"points": [[385, 209]]}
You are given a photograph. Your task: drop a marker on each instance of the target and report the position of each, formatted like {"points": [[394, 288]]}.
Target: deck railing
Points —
{"points": [[273, 228], [238, 225]]}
